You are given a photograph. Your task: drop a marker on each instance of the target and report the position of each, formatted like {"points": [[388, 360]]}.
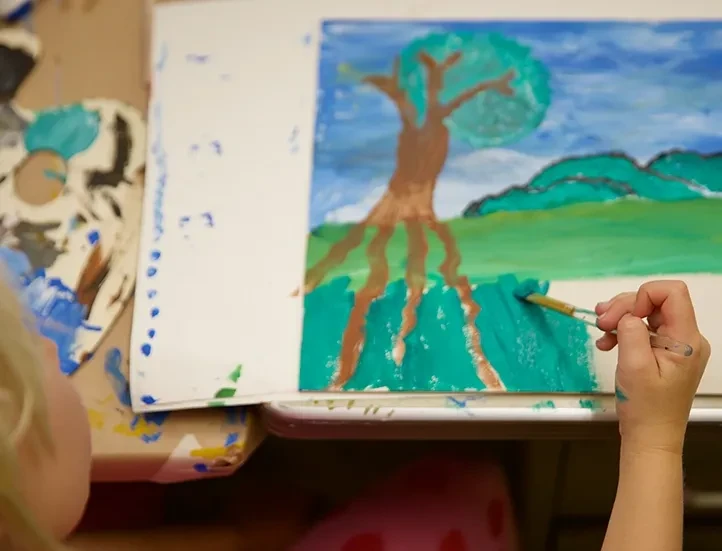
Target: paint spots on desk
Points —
{"points": [[146, 349], [118, 381], [216, 145], [145, 426], [544, 404], [152, 271], [461, 401], [154, 312], [236, 373], [96, 419], [152, 293], [93, 237], [155, 255], [151, 333]]}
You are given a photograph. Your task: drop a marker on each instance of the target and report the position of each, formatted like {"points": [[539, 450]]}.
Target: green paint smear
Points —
{"points": [[66, 130], [236, 374], [225, 393], [216, 404], [620, 395], [546, 404], [590, 404], [578, 241], [533, 350]]}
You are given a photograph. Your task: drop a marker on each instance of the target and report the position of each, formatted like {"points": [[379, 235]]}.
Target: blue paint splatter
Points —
{"points": [[208, 217], [152, 294], [152, 271], [93, 237], [148, 400], [231, 439], [155, 255], [58, 313], [154, 312], [162, 58], [146, 349], [194, 148], [217, 147], [151, 333], [118, 381], [456, 402], [159, 153], [197, 58], [154, 418], [66, 130], [17, 264], [200, 467], [183, 221], [307, 39]]}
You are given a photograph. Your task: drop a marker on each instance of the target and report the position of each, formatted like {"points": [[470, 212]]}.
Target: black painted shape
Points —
{"points": [[41, 252], [116, 175], [15, 66]]}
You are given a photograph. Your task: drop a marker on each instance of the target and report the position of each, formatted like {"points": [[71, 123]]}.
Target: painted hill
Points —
{"points": [[671, 176]]}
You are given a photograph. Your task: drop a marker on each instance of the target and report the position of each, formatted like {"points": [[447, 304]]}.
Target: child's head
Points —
{"points": [[44, 436]]}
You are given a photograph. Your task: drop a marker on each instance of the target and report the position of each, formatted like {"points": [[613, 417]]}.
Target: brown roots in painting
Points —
{"points": [[420, 156]]}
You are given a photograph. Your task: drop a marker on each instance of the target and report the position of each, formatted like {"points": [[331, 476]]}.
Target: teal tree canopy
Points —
{"points": [[488, 119]]}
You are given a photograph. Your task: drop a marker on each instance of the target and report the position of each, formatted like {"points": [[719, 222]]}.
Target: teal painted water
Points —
{"points": [[531, 349], [66, 130]]}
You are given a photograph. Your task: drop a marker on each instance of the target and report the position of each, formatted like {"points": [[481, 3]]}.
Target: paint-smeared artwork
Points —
{"points": [[70, 203], [454, 159]]}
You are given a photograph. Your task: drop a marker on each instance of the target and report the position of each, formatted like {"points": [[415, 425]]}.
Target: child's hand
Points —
{"points": [[654, 387]]}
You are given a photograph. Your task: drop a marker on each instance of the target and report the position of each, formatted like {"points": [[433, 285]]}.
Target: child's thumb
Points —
{"points": [[635, 351]]}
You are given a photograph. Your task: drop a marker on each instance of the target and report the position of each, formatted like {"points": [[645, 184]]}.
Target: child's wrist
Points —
{"points": [[653, 442]]}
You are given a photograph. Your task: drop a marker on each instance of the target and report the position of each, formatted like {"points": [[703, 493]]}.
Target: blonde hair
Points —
{"points": [[23, 418]]}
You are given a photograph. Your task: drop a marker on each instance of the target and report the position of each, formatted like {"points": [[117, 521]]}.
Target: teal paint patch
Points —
{"points": [[526, 288], [545, 404], [621, 397], [676, 176], [66, 130], [531, 349]]}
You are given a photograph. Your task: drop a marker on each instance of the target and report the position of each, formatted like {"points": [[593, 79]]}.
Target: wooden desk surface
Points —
{"points": [[93, 49]]}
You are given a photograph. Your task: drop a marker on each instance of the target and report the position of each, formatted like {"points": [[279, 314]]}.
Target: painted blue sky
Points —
{"points": [[638, 88]]}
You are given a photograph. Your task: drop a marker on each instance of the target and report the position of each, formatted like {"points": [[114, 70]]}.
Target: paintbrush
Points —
{"points": [[590, 317]]}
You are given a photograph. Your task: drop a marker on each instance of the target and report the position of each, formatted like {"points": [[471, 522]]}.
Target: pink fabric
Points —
{"points": [[433, 505]]}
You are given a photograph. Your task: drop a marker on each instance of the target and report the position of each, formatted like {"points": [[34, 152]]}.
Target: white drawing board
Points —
{"points": [[225, 218]]}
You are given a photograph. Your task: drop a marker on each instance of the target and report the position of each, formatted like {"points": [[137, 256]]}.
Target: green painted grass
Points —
{"points": [[626, 237]]}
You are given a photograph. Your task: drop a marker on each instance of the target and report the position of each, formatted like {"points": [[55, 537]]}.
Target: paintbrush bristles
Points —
{"points": [[551, 303]]}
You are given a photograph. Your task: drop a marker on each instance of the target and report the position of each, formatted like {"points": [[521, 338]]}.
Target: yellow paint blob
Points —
{"points": [[96, 419]]}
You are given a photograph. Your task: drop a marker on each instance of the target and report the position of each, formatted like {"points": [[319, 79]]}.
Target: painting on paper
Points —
{"points": [[453, 160]]}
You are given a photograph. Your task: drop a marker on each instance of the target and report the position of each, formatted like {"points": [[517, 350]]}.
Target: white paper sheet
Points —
{"points": [[231, 124]]}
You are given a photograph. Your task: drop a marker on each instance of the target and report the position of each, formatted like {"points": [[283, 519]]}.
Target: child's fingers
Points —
{"points": [[606, 342], [619, 306], [674, 303], [635, 350]]}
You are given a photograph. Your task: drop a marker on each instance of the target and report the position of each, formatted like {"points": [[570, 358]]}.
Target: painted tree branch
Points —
{"points": [[435, 76], [500, 84], [390, 87]]}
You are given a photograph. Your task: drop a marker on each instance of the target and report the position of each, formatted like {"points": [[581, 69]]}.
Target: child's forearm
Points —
{"points": [[648, 510]]}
